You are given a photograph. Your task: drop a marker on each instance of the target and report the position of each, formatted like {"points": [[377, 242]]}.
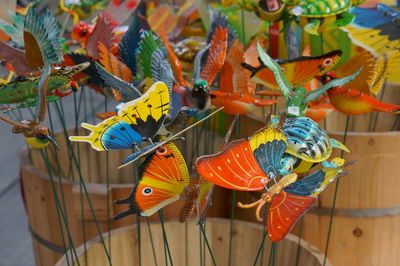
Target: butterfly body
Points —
{"points": [[190, 203]]}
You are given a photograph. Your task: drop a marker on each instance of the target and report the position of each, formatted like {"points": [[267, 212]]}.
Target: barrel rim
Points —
{"points": [[313, 250]]}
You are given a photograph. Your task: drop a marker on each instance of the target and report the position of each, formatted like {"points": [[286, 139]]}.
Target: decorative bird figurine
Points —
{"points": [[297, 71], [375, 29], [235, 90], [36, 134], [355, 102], [207, 64], [23, 90], [376, 69], [42, 50], [297, 97]]}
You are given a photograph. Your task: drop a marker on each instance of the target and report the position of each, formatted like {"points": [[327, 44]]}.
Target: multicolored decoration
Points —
{"points": [[23, 90], [297, 98], [307, 143], [290, 199], [247, 165], [175, 66], [297, 71], [137, 121], [375, 29], [163, 178]]}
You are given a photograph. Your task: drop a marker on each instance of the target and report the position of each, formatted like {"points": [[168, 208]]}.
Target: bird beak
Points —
{"points": [[53, 141]]}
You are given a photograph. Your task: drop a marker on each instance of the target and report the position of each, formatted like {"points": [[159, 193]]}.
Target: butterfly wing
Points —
{"points": [[269, 145], [147, 113], [234, 168], [163, 177], [284, 211]]}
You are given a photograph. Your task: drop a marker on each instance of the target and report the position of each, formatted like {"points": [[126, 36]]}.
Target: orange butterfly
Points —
{"points": [[247, 165], [163, 177]]}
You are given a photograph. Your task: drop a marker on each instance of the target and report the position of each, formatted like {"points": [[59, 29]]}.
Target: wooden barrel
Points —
{"points": [[367, 215], [38, 184], [246, 241]]}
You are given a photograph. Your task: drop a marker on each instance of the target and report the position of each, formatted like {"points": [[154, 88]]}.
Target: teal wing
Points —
{"points": [[280, 79], [43, 33], [313, 95], [42, 46]]}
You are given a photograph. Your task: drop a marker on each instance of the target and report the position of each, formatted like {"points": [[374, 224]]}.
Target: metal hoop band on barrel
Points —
{"points": [[47, 244]]}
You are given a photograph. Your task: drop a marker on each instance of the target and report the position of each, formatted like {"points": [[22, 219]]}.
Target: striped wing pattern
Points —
{"points": [[234, 168]]}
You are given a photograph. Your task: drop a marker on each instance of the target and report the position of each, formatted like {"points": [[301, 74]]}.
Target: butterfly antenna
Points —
{"points": [[267, 119], [349, 163], [229, 133], [282, 121]]}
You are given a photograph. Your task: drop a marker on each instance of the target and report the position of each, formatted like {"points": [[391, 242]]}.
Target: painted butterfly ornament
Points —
{"points": [[290, 198], [247, 165], [163, 177], [137, 121]]}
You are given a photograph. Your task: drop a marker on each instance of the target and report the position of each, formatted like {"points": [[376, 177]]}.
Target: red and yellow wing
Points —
{"points": [[284, 211], [164, 175], [216, 55], [112, 64], [235, 78], [297, 71], [234, 168], [174, 61], [363, 59]]}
